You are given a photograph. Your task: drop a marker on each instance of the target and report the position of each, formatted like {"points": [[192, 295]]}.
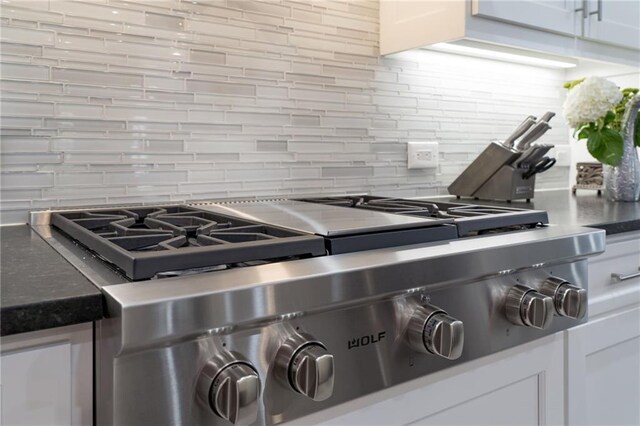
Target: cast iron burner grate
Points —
{"points": [[470, 219], [146, 241]]}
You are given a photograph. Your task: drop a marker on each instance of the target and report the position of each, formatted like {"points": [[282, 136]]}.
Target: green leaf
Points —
{"points": [[584, 133], [609, 117], [605, 145]]}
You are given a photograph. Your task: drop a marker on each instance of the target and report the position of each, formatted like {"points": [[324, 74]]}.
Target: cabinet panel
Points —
{"points": [[47, 377], [36, 386], [614, 21], [552, 15], [617, 365], [622, 256], [524, 383], [516, 401], [603, 371]]}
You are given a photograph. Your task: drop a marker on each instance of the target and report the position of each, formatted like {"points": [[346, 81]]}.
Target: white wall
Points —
{"points": [[166, 100]]}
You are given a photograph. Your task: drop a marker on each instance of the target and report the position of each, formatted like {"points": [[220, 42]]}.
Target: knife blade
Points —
{"points": [[519, 131], [533, 135]]}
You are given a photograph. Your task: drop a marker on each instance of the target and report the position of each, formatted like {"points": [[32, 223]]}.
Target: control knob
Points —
{"points": [[306, 366], [527, 307], [231, 387], [431, 330], [568, 300]]}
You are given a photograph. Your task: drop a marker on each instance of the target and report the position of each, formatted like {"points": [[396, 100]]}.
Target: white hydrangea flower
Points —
{"points": [[590, 100]]}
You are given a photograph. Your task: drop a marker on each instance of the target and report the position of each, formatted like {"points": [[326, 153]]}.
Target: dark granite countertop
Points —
{"points": [[39, 288], [585, 208]]}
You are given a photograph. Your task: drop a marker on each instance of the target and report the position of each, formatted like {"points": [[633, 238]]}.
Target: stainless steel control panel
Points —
{"points": [[302, 363]]}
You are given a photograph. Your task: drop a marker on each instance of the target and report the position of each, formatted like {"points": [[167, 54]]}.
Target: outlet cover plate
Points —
{"points": [[422, 155]]}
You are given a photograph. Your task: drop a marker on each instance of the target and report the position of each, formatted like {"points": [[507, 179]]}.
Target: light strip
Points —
{"points": [[501, 55]]}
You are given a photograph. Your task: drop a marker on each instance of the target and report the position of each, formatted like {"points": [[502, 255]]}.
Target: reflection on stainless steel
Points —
{"points": [[569, 300], [526, 307], [356, 304], [318, 218]]}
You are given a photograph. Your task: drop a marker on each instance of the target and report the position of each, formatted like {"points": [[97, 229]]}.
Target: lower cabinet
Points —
{"points": [[520, 386], [603, 371], [47, 377]]}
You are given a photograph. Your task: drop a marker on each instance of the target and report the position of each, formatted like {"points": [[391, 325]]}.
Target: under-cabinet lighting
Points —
{"points": [[501, 53]]}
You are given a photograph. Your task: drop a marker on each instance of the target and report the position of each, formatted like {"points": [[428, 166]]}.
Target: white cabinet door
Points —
{"points": [[47, 377], [552, 15], [603, 371], [622, 258], [614, 21], [519, 386]]}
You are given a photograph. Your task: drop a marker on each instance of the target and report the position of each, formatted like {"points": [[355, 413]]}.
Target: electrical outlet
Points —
{"points": [[562, 153], [422, 155]]}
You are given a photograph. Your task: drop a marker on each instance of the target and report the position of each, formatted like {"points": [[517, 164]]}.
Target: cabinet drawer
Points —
{"points": [[622, 257]]}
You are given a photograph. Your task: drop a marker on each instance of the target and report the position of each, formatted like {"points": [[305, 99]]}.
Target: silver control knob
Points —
{"points": [[527, 307], [305, 364], [431, 330], [569, 300], [231, 387], [311, 372]]}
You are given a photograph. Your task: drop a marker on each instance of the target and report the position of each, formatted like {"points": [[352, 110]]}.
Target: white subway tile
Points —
{"points": [[231, 31], [76, 42], [127, 113], [93, 23], [25, 72], [78, 110], [206, 56], [257, 118], [258, 63], [30, 158], [27, 36], [145, 177], [146, 50], [266, 7], [79, 178], [221, 146], [206, 116], [97, 78], [20, 49], [39, 109], [26, 180], [96, 145], [220, 87], [96, 11]]}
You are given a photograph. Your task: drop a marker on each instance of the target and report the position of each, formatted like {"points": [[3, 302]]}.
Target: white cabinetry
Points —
{"points": [[47, 377], [603, 356], [603, 371], [555, 16], [613, 21], [557, 27], [622, 257], [523, 386]]}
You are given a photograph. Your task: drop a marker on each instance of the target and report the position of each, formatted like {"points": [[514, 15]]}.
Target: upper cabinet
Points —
{"points": [[607, 30], [613, 21], [554, 16]]}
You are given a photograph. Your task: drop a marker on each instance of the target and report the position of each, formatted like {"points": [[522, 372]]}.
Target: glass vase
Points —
{"points": [[622, 182]]}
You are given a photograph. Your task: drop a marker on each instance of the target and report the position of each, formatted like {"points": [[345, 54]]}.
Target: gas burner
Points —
{"points": [[145, 241]]}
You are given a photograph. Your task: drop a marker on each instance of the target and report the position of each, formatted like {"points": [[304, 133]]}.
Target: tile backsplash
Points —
{"points": [[110, 101]]}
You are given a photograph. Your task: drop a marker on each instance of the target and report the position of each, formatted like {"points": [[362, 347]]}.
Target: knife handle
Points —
{"points": [[532, 135], [520, 130], [548, 116]]}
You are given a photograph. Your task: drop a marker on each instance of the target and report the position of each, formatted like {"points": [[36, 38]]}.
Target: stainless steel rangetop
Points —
{"points": [[319, 219]]}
